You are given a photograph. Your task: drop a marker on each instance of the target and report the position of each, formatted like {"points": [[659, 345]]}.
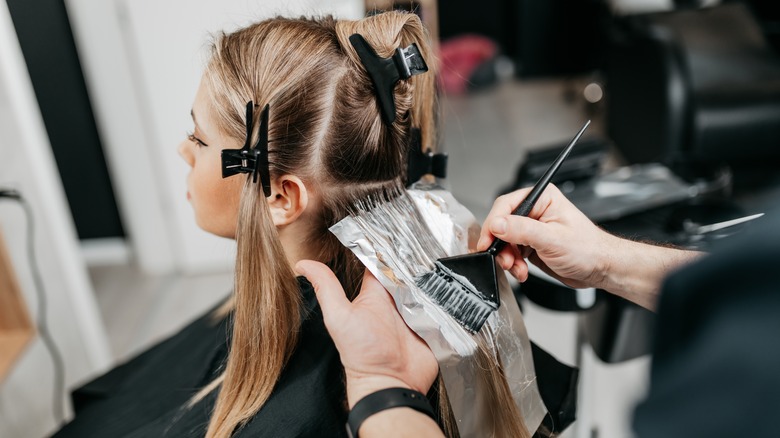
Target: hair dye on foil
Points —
{"points": [[400, 237]]}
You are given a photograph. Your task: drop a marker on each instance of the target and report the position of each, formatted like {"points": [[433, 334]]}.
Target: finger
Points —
{"points": [[330, 294], [373, 288], [506, 258], [522, 231], [503, 205], [516, 254], [519, 270], [550, 193]]}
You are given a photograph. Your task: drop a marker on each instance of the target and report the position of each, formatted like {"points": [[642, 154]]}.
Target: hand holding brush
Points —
{"points": [[561, 241], [466, 286]]}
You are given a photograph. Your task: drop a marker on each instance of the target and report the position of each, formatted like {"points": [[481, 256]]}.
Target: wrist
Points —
{"points": [[388, 399], [360, 385], [636, 270], [623, 272], [610, 257]]}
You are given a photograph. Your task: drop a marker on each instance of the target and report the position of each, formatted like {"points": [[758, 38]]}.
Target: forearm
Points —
{"points": [[399, 422], [635, 271]]}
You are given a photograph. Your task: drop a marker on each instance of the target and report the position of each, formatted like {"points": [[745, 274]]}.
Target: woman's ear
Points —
{"points": [[289, 199]]}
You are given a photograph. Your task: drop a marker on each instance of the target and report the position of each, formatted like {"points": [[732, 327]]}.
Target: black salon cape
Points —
{"points": [[716, 363], [146, 397]]}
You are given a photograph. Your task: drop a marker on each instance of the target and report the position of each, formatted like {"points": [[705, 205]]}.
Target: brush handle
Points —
{"points": [[525, 207]]}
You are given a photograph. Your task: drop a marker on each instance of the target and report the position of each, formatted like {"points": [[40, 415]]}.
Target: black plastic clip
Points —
{"points": [[248, 159], [423, 163], [386, 72]]}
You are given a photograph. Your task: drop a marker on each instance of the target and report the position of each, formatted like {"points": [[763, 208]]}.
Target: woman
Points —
{"points": [[262, 364]]}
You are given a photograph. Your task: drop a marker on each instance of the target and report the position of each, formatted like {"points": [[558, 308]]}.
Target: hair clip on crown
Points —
{"points": [[386, 72], [253, 160]]}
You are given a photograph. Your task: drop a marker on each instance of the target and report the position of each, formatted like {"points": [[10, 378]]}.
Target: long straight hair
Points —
{"points": [[325, 128]]}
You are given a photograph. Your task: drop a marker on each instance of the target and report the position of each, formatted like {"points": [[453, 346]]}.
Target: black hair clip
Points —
{"points": [[386, 72], [248, 159], [423, 163]]}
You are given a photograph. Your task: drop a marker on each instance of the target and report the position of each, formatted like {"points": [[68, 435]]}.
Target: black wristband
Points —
{"points": [[386, 399]]}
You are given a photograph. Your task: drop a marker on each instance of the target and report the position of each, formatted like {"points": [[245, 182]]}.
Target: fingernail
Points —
{"points": [[481, 242], [498, 226]]}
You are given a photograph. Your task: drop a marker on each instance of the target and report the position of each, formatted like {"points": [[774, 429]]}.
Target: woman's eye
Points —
{"points": [[196, 140]]}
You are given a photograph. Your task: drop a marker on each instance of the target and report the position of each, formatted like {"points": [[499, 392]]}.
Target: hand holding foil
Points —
{"points": [[377, 348], [489, 377]]}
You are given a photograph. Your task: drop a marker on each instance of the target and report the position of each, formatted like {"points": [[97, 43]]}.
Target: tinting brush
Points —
{"points": [[466, 286]]}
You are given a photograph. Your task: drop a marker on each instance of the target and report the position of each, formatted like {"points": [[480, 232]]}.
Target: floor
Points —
{"points": [[486, 135]]}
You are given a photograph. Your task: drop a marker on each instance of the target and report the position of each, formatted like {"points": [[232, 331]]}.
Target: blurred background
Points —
{"points": [[95, 96]]}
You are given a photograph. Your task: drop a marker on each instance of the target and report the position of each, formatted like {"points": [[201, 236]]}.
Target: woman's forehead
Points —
{"points": [[202, 111]]}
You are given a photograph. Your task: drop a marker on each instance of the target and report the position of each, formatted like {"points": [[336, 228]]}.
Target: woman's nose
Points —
{"points": [[185, 151]]}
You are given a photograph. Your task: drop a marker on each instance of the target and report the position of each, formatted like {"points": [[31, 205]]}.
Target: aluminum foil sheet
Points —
{"points": [[398, 241]]}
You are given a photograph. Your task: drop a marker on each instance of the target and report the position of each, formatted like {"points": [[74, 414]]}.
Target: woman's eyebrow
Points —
{"points": [[197, 130]]}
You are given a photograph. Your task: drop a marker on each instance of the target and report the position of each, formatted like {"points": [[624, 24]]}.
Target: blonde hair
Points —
{"points": [[325, 127]]}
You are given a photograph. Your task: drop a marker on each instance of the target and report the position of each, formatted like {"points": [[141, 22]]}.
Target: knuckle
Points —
{"points": [[503, 199]]}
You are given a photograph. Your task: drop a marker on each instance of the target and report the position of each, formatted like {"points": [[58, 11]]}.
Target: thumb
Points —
{"points": [[330, 293], [521, 231]]}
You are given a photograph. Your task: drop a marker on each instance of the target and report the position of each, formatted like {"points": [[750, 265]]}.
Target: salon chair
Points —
{"points": [[695, 89]]}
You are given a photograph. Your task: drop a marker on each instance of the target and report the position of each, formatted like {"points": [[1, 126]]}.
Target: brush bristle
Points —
{"points": [[390, 221], [462, 301]]}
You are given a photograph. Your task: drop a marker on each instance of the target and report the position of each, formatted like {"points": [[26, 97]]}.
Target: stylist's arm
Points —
{"points": [[377, 348], [563, 242]]}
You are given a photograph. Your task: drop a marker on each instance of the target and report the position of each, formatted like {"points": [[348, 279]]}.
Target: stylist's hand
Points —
{"points": [[564, 243], [556, 237], [377, 348]]}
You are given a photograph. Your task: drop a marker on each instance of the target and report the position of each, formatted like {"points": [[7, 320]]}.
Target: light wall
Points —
{"points": [[27, 165]]}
